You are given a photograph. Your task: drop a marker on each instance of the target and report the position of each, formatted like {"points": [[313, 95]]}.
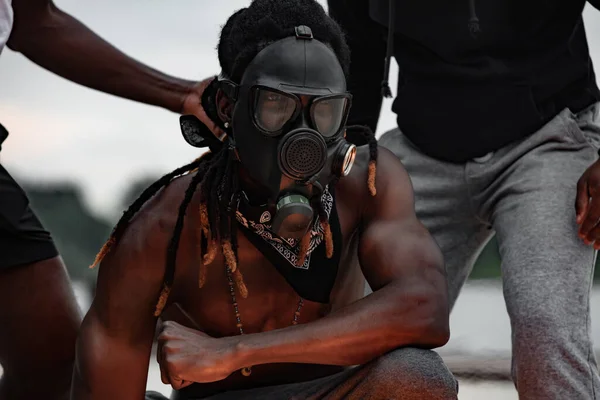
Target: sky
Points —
{"points": [[61, 131]]}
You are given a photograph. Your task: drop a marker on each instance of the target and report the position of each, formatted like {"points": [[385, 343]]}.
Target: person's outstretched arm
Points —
{"points": [[61, 44]]}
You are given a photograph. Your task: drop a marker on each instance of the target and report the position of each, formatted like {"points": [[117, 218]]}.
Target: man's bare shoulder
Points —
{"points": [[131, 273], [145, 239]]}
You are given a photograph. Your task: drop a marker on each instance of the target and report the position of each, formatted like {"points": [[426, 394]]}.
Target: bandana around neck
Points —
{"points": [[288, 248], [315, 278]]}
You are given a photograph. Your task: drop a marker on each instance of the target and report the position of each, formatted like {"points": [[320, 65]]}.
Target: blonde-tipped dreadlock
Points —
{"points": [[328, 239], [371, 179], [229, 256], [303, 251], [162, 300], [239, 281], [103, 251], [204, 225], [201, 272], [211, 252]]}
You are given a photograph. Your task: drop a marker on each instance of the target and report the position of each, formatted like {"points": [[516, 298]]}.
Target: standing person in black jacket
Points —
{"points": [[497, 110]]}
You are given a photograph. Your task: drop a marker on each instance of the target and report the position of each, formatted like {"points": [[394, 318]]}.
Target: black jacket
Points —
{"points": [[463, 93]]}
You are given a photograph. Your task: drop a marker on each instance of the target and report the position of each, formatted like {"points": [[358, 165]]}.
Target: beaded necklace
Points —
{"points": [[246, 371]]}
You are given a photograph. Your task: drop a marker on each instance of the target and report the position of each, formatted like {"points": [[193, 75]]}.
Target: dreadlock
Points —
{"points": [[371, 140], [148, 193], [246, 33], [213, 174]]}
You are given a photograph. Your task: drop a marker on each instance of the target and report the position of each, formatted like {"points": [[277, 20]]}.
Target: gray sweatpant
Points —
{"points": [[525, 193], [407, 374]]}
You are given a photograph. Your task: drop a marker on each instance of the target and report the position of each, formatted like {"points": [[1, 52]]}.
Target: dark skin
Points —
{"points": [[40, 319], [382, 239], [39, 294]]}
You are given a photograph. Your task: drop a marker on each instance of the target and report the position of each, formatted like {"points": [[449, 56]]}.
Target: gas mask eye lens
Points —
{"points": [[272, 110], [328, 114]]}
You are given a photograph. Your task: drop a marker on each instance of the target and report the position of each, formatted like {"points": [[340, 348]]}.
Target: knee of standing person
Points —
{"points": [[414, 373], [539, 320], [535, 326]]}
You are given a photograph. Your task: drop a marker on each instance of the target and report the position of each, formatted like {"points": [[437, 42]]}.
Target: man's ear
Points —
{"points": [[224, 106]]}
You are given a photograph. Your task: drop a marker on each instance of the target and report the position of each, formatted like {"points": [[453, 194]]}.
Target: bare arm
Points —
{"points": [[409, 306], [61, 44], [115, 340]]}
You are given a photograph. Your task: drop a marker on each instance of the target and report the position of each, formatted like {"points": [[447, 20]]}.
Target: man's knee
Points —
{"points": [[414, 373]]}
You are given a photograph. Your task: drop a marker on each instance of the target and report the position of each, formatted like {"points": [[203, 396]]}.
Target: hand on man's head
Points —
{"points": [[192, 105]]}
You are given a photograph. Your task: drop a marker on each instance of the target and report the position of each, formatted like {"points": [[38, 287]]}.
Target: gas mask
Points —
{"points": [[287, 126]]}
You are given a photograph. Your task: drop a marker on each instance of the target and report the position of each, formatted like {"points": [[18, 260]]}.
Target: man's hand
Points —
{"points": [[587, 205], [186, 356], [192, 105]]}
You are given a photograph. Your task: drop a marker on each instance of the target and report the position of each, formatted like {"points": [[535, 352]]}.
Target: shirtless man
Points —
{"points": [[38, 307], [266, 240]]}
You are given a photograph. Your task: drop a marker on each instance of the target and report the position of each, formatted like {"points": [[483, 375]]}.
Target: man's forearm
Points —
{"points": [[61, 44], [353, 335]]}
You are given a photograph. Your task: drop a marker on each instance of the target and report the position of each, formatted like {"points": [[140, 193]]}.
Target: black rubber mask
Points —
{"points": [[288, 121]]}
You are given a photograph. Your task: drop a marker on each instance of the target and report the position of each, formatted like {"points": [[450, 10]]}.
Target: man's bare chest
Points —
{"points": [[218, 308]]}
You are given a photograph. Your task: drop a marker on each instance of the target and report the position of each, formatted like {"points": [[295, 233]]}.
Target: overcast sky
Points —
{"points": [[61, 131]]}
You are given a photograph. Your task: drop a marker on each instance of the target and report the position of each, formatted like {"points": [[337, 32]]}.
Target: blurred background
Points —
{"points": [[83, 156]]}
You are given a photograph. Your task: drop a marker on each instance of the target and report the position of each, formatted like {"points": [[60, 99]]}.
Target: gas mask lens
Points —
{"points": [[327, 114], [273, 109]]}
